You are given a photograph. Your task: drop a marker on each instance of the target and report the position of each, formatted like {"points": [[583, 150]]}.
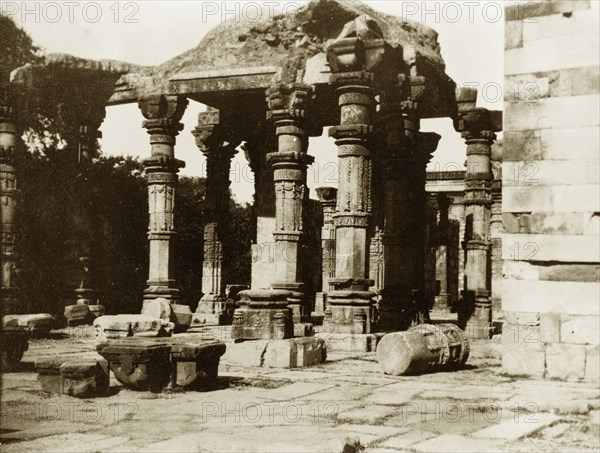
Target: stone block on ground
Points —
{"points": [[97, 310], [78, 315], [117, 326], [195, 364], [138, 363], [48, 370], [246, 353], [350, 342], [295, 352], [181, 316], [287, 353], [84, 378], [40, 322], [159, 308]]}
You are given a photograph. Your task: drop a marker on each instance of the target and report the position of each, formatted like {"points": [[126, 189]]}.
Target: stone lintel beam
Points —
{"points": [[162, 115]]}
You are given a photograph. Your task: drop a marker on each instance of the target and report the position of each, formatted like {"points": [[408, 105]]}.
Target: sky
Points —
{"points": [[151, 32]]}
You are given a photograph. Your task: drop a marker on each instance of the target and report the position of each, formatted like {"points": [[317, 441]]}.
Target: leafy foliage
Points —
{"points": [[16, 48]]}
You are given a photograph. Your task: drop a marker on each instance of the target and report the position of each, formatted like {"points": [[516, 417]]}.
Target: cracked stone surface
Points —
{"points": [[309, 410]]}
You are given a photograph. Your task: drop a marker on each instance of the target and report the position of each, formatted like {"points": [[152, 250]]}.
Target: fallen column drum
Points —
{"points": [[423, 348]]}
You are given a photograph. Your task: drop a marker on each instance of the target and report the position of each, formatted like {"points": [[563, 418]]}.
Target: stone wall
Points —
{"points": [[550, 190]]}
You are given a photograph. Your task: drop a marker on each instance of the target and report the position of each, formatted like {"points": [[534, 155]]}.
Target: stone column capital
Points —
{"points": [[327, 195], [288, 101], [478, 125], [216, 135], [360, 48], [163, 113]]}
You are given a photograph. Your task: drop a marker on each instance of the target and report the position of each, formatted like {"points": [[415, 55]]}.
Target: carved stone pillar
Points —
{"points": [[217, 142], [442, 299], [427, 144], [351, 306], [478, 127], [328, 198], [9, 293], [400, 247], [162, 113], [287, 110]]}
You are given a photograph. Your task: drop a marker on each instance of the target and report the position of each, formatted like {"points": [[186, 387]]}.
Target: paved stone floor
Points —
{"points": [[306, 410]]}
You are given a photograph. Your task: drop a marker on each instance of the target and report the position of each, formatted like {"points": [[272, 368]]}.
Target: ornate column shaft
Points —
{"points": [[428, 142], [287, 110], [162, 113], [478, 127], [401, 179], [442, 259], [217, 142], [351, 306], [9, 293], [328, 198]]}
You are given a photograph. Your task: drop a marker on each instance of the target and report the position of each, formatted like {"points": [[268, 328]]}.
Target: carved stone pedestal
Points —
{"points": [[139, 364], [263, 315], [195, 364], [350, 311], [478, 310], [296, 300]]}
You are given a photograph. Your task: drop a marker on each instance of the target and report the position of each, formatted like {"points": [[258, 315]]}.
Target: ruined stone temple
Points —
{"points": [[392, 242]]}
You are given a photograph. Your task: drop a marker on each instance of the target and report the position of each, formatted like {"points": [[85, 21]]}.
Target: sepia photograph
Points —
{"points": [[300, 226]]}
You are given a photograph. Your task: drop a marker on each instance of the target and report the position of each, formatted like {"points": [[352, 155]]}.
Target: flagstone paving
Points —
{"points": [[317, 409]]}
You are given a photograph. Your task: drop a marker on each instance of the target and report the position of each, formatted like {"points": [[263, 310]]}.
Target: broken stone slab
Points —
{"points": [[40, 322], [78, 315], [13, 344], [48, 370], [195, 364], [286, 353], [424, 348], [84, 378], [118, 326], [347, 342], [138, 363]]}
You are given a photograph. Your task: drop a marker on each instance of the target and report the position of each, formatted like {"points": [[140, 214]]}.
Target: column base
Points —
{"points": [[475, 314], [86, 296], [396, 310], [476, 331], [296, 300], [165, 290], [351, 312], [263, 315]]}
